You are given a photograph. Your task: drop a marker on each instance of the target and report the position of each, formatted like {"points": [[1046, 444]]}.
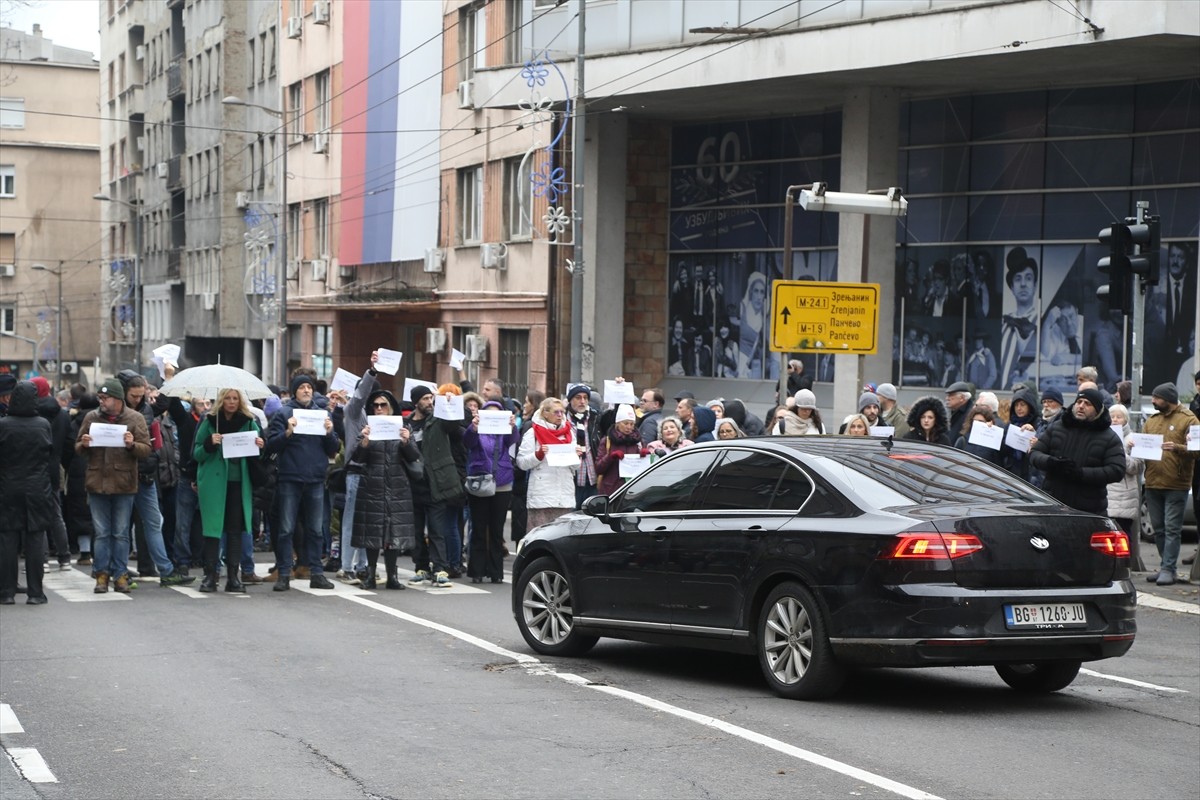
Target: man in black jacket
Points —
{"points": [[1081, 455], [25, 493]]}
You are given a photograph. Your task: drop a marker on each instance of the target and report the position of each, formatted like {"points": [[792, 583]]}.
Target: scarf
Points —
{"points": [[544, 434], [586, 476]]}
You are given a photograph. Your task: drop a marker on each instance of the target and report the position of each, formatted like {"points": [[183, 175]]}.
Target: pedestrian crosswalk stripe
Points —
{"points": [[8, 720], [76, 587]]}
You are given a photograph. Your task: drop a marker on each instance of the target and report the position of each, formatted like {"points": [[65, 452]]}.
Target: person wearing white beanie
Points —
{"points": [[622, 440], [802, 420]]}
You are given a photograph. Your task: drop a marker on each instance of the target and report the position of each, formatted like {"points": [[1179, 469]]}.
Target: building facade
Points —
{"points": [[49, 168]]}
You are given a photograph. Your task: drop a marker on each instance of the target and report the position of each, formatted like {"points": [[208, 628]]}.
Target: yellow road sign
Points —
{"points": [[820, 317]]}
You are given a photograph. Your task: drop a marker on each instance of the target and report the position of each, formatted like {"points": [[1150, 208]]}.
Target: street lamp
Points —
{"points": [[282, 337], [137, 273], [58, 273]]}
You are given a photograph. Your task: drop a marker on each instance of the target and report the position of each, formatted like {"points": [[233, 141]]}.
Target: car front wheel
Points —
{"points": [[547, 618], [1040, 677], [793, 646]]}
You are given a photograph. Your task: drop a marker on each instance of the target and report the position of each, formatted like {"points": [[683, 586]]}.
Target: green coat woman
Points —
{"points": [[221, 483]]}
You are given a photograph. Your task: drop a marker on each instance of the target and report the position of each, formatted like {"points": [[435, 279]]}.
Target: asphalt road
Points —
{"points": [[432, 693]]}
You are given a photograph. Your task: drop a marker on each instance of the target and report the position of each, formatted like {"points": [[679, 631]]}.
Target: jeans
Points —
{"points": [[353, 558], [436, 517], [187, 502], [146, 503], [300, 502], [1166, 515], [111, 514]]}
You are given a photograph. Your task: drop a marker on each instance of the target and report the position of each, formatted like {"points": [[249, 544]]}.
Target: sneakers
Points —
{"points": [[442, 580], [122, 585], [63, 566], [420, 577], [176, 578], [319, 581], [348, 577], [101, 583], [84, 560]]}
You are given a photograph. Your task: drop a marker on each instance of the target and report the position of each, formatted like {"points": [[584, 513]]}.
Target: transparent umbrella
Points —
{"points": [[208, 381]]}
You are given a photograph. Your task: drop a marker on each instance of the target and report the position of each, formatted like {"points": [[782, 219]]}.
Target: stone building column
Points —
{"points": [[604, 249]]}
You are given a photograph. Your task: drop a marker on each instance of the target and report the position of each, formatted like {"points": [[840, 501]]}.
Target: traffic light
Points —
{"points": [[1145, 262], [1118, 292]]}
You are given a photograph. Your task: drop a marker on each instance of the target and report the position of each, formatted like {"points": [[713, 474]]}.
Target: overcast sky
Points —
{"points": [[70, 23]]}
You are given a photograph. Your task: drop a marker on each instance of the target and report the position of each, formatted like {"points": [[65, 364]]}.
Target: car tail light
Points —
{"points": [[1112, 543], [934, 546]]}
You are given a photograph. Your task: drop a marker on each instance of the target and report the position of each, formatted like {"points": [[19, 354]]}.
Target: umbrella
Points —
{"points": [[208, 381]]}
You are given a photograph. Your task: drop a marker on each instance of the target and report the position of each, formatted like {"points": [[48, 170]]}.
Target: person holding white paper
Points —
{"points": [[1123, 496], [551, 490], [1022, 415], [622, 439], [1168, 480], [985, 417], [224, 488], [1081, 455], [489, 501], [438, 494]]}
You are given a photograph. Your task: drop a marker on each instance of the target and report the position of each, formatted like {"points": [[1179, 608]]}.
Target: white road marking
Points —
{"points": [[535, 666], [76, 587], [1132, 682], [8, 720], [30, 765], [1154, 601]]}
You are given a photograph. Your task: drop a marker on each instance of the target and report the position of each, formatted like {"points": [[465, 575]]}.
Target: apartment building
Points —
{"points": [[50, 274]]}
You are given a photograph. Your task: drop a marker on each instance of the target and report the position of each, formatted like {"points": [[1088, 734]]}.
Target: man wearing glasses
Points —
{"points": [[651, 404]]}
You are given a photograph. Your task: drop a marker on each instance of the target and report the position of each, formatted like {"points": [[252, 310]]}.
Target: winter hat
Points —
{"points": [[1093, 396], [867, 399], [43, 386], [299, 381], [417, 392], [1166, 391], [625, 413], [806, 399], [718, 402], [1052, 394], [112, 388], [887, 390], [271, 405], [8, 382], [869, 387], [578, 388]]}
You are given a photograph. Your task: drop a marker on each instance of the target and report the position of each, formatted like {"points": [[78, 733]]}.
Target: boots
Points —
{"points": [[372, 568], [209, 584], [393, 579], [234, 583], [101, 583]]}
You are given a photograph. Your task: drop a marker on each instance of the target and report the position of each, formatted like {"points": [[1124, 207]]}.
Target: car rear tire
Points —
{"points": [[546, 617], [1040, 677], [793, 646]]}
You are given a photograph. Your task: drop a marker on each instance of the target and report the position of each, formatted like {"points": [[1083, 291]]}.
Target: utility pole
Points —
{"points": [[578, 125]]}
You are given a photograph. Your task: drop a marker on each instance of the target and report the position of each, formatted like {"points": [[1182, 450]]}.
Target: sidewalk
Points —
{"points": [[1181, 592]]}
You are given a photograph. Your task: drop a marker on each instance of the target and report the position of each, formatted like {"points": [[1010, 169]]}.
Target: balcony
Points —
{"points": [[175, 84], [134, 97]]}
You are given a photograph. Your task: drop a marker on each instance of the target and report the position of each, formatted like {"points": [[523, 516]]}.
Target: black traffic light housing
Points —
{"points": [[1145, 236], [1118, 292]]}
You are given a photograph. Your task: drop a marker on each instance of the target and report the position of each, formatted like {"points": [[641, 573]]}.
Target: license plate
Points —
{"points": [[1045, 615]]}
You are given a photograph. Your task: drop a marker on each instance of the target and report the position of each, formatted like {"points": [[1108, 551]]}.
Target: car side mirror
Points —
{"points": [[596, 506]]}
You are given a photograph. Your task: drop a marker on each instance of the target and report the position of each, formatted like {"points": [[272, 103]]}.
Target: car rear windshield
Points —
{"points": [[946, 475]]}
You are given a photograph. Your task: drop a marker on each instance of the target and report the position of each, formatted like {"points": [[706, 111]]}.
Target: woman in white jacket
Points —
{"points": [[1123, 496], [551, 489]]}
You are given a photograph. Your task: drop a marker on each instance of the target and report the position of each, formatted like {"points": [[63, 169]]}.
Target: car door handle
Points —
{"points": [[754, 530]]}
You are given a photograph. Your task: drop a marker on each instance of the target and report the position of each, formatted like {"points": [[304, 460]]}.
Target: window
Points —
{"points": [[295, 234], [322, 357], [8, 248], [321, 228], [296, 109], [472, 41], [470, 204], [517, 198], [512, 24], [251, 61], [8, 318], [514, 362], [322, 109], [12, 112], [458, 340], [758, 481], [668, 488], [8, 180]]}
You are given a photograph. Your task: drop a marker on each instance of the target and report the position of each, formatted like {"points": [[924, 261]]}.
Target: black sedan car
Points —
{"points": [[821, 553]]}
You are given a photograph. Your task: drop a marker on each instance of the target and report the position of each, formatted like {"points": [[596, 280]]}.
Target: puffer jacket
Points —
{"points": [[302, 459], [383, 510], [941, 428], [1080, 459], [608, 465], [490, 453], [60, 431], [114, 470], [442, 439], [1123, 495], [76, 513], [26, 493], [549, 487], [1175, 469]]}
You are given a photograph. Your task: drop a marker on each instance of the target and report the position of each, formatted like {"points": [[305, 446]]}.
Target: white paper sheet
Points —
{"points": [[1193, 438], [162, 355], [1018, 439], [310, 422], [1147, 446], [622, 392], [388, 361], [448, 407], [1119, 430], [344, 381], [561, 455], [989, 436], [881, 430], [239, 445], [409, 383], [495, 422], [632, 466], [457, 357], [385, 427], [106, 435]]}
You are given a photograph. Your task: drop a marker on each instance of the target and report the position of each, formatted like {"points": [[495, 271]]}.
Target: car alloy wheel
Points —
{"points": [[793, 648], [546, 617], [1039, 677]]}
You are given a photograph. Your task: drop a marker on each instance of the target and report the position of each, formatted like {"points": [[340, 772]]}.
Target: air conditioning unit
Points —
{"points": [[320, 268], [7, 270], [434, 259], [321, 142], [346, 272], [435, 340], [242, 199], [466, 94], [139, 52], [295, 28], [293, 269], [162, 169], [321, 12], [210, 300], [70, 368], [477, 348], [493, 256]]}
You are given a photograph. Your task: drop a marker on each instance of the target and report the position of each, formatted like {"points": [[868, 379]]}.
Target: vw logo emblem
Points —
{"points": [[1039, 543]]}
